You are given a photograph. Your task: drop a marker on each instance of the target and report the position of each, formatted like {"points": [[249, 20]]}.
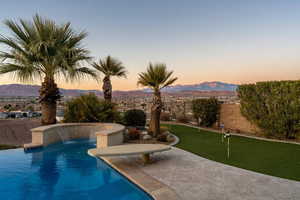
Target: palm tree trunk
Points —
{"points": [[154, 125], [48, 113], [107, 89], [49, 94]]}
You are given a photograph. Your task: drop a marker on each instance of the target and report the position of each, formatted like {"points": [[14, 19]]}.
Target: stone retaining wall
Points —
{"points": [[17, 131]]}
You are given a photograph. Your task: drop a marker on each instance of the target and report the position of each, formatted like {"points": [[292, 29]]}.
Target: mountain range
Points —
{"points": [[204, 86], [33, 90]]}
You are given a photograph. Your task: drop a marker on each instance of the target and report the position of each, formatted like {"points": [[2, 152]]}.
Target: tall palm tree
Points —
{"points": [[156, 77], [42, 50], [109, 67]]}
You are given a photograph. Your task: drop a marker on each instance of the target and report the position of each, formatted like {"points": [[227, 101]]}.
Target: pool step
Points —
{"points": [[30, 146]]}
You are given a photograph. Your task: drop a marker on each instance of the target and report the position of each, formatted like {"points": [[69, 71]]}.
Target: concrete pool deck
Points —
{"points": [[178, 174]]}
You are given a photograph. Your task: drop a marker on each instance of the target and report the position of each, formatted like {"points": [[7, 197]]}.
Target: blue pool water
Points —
{"points": [[62, 172]]}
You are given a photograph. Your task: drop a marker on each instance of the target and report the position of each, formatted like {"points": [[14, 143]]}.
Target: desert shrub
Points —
{"points": [[134, 117], [119, 118], [162, 137], [165, 116], [273, 106], [30, 108], [89, 108], [8, 107], [207, 110], [133, 133]]}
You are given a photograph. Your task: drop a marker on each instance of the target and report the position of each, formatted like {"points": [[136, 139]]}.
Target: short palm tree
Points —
{"points": [[156, 77], [42, 50], [109, 67]]}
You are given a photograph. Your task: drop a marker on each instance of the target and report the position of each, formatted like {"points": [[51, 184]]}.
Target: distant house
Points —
{"points": [[3, 115], [59, 115]]}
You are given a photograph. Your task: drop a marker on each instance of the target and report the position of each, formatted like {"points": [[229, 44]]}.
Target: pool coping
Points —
{"points": [[153, 187], [156, 189]]}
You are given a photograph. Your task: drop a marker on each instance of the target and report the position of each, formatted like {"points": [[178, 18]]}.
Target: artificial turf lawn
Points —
{"points": [[272, 158]]}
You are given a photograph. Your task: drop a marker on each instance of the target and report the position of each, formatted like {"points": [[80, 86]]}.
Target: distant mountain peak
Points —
{"points": [[204, 86], [33, 90]]}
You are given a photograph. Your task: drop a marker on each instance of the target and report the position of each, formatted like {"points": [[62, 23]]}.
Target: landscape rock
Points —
{"points": [[170, 138], [147, 137], [166, 133]]}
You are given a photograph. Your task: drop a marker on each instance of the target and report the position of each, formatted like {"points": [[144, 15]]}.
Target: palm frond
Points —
{"points": [[43, 48], [75, 74], [110, 67], [19, 72], [156, 77]]}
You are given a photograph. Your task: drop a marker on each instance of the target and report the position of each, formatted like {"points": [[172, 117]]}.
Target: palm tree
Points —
{"points": [[156, 77], [42, 50], [109, 67]]}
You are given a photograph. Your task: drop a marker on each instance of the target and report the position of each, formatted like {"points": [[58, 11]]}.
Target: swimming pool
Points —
{"points": [[61, 172]]}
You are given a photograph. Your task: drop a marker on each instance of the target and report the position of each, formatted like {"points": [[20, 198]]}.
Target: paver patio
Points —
{"points": [[195, 178]]}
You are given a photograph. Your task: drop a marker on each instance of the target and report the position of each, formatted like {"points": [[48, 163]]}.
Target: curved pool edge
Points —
{"points": [[143, 181], [64, 157], [154, 188]]}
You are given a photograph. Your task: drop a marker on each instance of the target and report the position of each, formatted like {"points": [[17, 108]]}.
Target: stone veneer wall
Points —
{"points": [[231, 117], [45, 135]]}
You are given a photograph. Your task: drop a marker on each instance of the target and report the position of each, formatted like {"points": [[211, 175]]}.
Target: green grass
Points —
{"points": [[272, 158], [4, 146]]}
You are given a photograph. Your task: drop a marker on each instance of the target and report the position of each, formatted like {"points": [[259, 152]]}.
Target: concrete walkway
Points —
{"points": [[195, 178]]}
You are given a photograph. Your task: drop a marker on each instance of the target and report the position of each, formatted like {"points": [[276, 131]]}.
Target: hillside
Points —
{"points": [[205, 87]]}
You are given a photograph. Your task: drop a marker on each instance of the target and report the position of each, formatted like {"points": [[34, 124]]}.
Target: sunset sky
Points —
{"points": [[214, 40]]}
